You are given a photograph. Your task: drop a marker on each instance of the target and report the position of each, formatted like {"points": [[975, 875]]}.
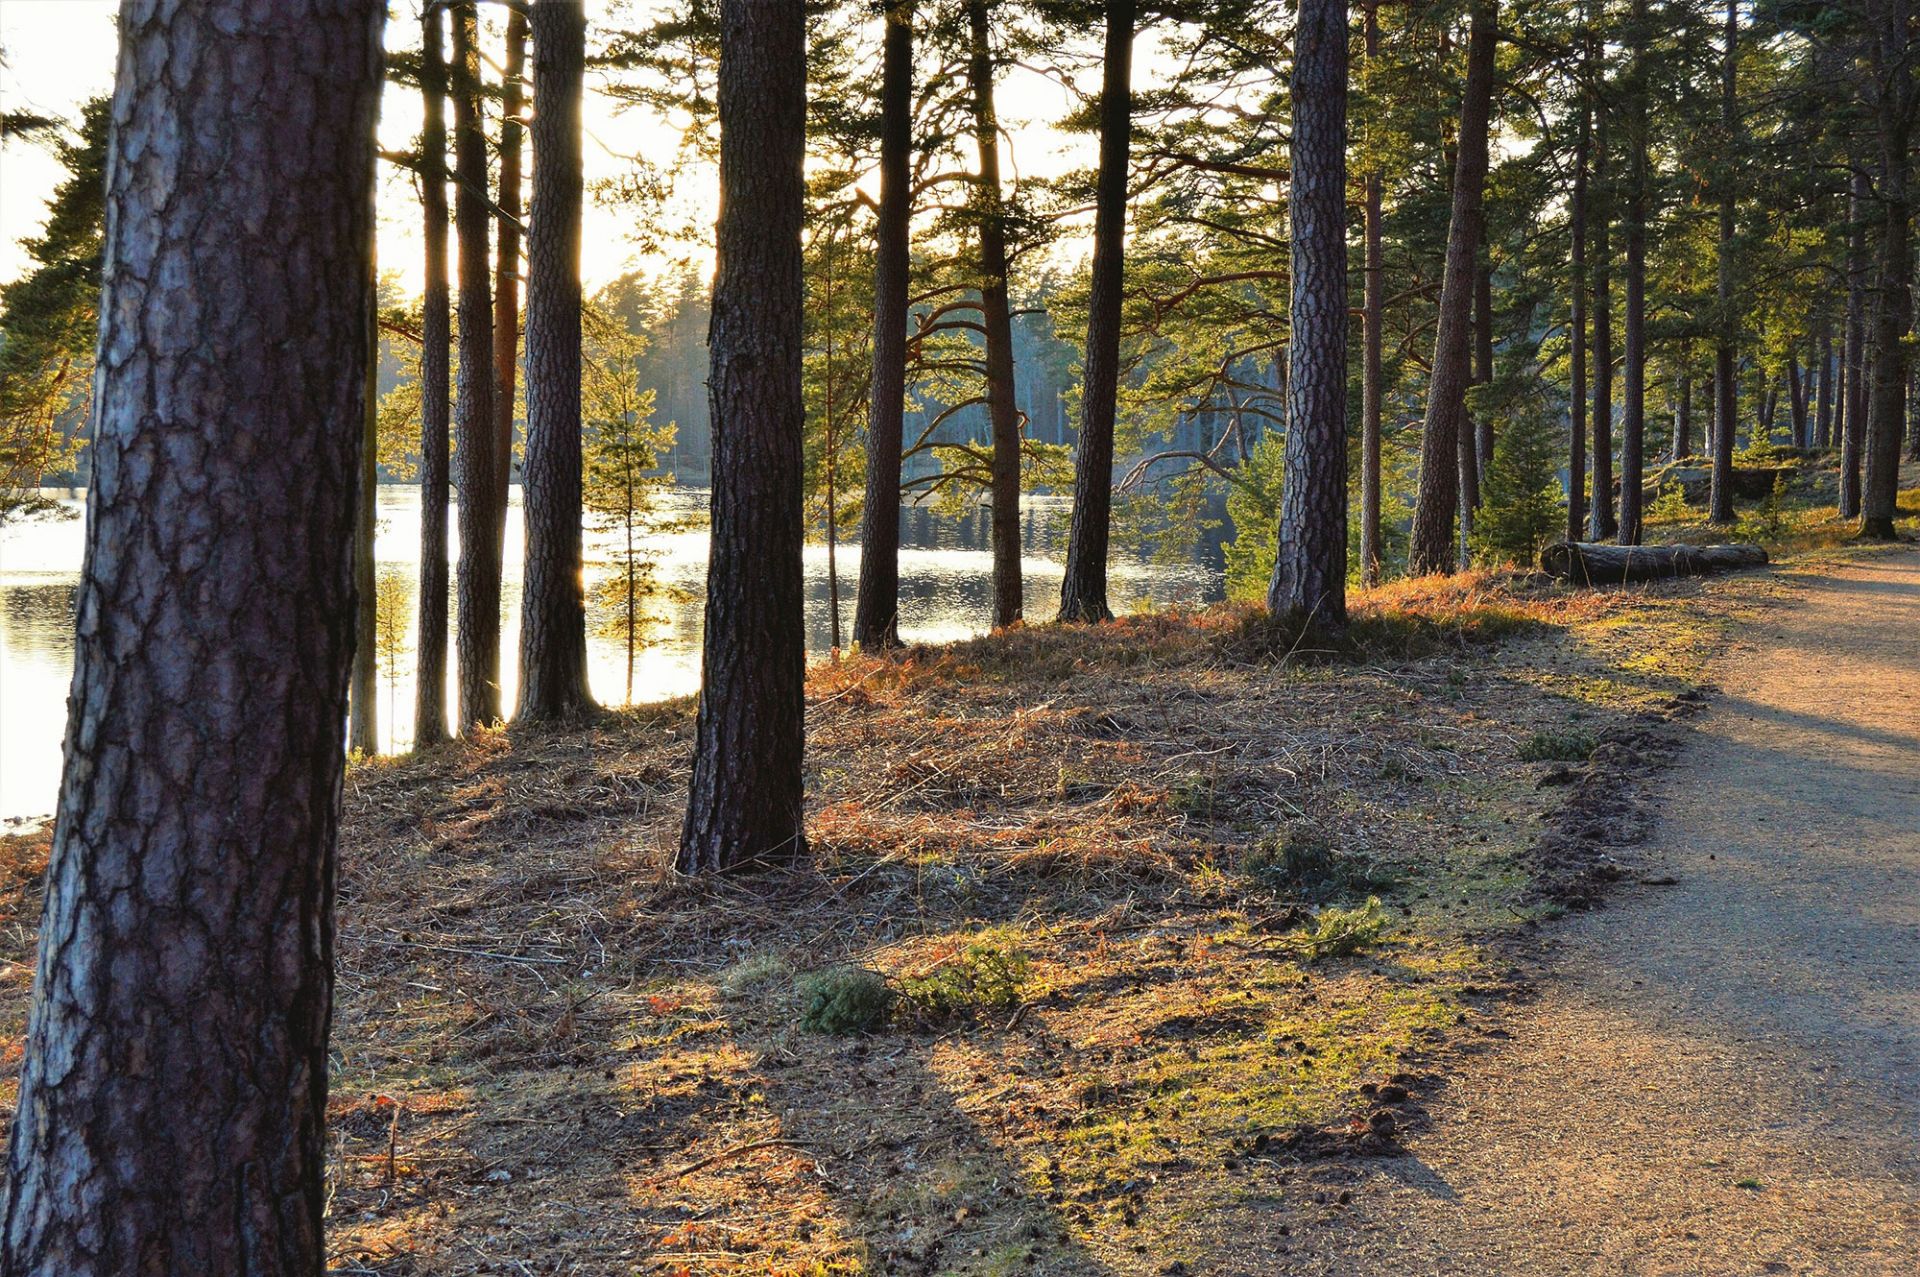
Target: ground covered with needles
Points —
{"points": [[1107, 936]]}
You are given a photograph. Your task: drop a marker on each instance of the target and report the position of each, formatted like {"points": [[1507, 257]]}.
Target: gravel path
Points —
{"points": [[1720, 1076]]}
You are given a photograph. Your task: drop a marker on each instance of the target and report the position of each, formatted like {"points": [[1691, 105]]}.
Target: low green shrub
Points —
{"points": [[985, 976], [1337, 932], [1557, 747], [1303, 862], [843, 1000]]}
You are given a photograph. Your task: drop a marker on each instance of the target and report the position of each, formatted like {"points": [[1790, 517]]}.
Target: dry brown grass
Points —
{"points": [[554, 1056]]}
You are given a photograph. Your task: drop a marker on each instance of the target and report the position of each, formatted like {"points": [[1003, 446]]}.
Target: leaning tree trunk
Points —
{"points": [[1893, 316], [1083, 594], [1720, 490], [1370, 373], [876, 613], [506, 269], [436, 335], [997, 319], [745, 805], [553, 623], [475, 426], [1633, 425], [1434, 510], [172, 1103], [1310, 566], [1853, 426]]}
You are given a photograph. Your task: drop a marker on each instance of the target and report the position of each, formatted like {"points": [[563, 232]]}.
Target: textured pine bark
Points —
{"points": [[744, 808], [553, 623], [996, 317], [1725, 391], [173, 1093], [876, 613], [1683, 416], [475, 426], [1482, 359], [1083, 594], [1601, 520], [1373, 306], [1577, 319], [1633, 423], [1853, 426], [506, 267], [436, 336], [363, 694], [1893, 315], [1823, 396], [1432, 548], [1310, 565]]}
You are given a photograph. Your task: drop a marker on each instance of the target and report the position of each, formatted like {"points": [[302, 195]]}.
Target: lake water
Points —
{"points": [[945, 571]]}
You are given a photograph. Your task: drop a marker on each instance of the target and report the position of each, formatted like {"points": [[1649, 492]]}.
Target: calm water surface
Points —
{"points": [[945, 572]]}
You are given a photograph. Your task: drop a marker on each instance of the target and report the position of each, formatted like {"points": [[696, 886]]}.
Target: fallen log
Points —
{"points": [[1594, 563]]}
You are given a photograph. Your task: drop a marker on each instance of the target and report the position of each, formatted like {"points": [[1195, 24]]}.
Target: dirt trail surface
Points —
{"points": [[1722, 1075]]}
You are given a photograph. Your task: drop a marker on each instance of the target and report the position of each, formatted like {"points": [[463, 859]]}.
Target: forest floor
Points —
{"points": [[1210, 951]]}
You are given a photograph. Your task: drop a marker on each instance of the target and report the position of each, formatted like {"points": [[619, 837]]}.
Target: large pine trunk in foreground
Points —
{"points": [[1083, 594], [876, 614], [506, 267], [173, 1093], [1373, 308], [1853, 426], [745, 804], [475, 425], [1432, 542], [1893, 317], [553, 623], [1310, 563], [436, 336], [997, 318]]}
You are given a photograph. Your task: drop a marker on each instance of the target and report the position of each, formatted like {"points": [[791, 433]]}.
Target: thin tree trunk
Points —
{"points": [[1310, 566], [475, 426], [1823, 396], [506, 268], [876, 613], [1577, 322], [996, 317], [430, 684], [1083, 594], [1633, 431], [1893, 312], [744, 808], [1796, 401], [1720, 490], [363, 696], [1853, 431], [1482, 360], [1683, 416], [1434, 511], [1601, 517], [172, 1103], [553, 620], [1370, 373]]}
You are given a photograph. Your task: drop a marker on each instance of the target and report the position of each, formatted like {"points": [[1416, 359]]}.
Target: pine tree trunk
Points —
{"points": [[553, 623], [1370, 372], [363, 694], [1577, 320], [1083, 594], [1601, 518], [173, 1092], [1853, 430], [1434, 511], [1482, 360], [475, 426], [1633, 425], [1683, 417], [744, 808], [1796, 401], [506, 268], [1823, 401], [1310, 567], [436, 336], [1726, 406], [876, 613], [1893, 313], [997, 319]]}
